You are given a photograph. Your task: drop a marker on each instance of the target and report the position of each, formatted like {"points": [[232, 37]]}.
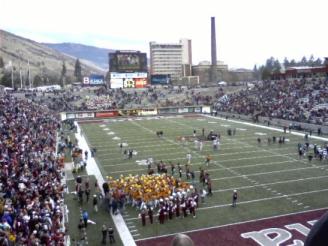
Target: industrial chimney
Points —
{"points": [[213, 41], [213, 70]]}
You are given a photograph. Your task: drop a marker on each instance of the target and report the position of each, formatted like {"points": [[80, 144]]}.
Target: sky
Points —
{"points": [[247, 31]]}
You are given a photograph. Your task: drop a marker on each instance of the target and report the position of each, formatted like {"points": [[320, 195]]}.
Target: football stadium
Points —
{"points": [[128, 138]]}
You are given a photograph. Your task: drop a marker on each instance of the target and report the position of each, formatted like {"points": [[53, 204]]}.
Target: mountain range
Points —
{"points": [[20, 54]]}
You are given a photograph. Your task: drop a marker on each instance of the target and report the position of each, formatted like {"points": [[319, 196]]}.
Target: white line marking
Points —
{"points": [[222, 161]]}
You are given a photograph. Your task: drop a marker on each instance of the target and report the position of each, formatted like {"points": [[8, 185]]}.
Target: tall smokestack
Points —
{"points": [[213, 41]]}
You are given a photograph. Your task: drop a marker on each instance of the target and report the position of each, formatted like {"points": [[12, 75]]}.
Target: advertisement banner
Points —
{"points": [[128, 112], [160, 79], [70, 115], [147, 112], [84, 115], [115, 75], [94, 79], [140, 82], [183, 110], [106, 114], [128, 83], [168, 110], [128, 80], [116, 83], [206, 109], [198, 110]]}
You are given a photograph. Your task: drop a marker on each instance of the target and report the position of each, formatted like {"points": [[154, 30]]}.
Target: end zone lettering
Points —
{"points": [[277, 236]]}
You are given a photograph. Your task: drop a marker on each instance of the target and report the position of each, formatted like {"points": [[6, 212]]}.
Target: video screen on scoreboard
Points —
{"points": [[127, 62]]}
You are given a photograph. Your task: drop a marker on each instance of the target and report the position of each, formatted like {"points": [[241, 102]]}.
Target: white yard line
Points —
{"points": [[154, 153], [274, 183], [202, 157], [213, 169], [93, 169]]}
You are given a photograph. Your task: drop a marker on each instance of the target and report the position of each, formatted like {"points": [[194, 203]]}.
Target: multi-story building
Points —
{"points": [[172, 59]]}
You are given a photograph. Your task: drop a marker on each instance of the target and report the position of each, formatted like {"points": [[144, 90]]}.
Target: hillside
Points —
{"points": [[98, 56], [45, 63]]}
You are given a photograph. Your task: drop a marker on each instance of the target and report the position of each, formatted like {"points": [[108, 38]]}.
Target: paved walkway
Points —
{"points": [[93, 169]]}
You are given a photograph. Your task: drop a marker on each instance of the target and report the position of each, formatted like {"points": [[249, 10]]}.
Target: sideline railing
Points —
{"points": [[79, 115]]}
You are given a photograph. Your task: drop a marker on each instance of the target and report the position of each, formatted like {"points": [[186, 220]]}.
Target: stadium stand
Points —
{"points": [[299, 100], [30, 175]]}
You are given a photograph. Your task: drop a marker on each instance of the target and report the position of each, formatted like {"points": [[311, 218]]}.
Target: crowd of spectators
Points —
{"points": [[298, 100], [144, 98], [31, 192], [101, 98]]}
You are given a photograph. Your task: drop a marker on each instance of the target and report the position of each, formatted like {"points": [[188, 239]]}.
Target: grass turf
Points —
{"points": [[93, 231], [271, 178]]}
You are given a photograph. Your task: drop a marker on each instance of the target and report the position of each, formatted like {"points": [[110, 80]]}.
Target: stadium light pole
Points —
{"points": [[12, 75]]}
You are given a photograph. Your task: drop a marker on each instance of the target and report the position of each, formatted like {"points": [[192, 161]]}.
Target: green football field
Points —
{"points": [[271, 179]]}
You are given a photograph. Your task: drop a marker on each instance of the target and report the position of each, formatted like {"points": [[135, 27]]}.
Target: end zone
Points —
{"points": [[277, 230]]}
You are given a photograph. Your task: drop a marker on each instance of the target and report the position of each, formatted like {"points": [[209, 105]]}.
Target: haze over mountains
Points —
{"points": [[44, 62], [98, 56]]}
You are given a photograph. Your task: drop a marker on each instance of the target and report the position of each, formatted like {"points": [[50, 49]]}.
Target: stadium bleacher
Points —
{"points": [[30, 175]]}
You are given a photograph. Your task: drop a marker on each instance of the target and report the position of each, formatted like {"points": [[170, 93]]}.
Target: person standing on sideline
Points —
{"points": [[81, 229], [95, 203], [150, 215], [85, 217], [203, 132], [188, 156], [196, 144], [111, 235], [172, 168], [215, 143], [234, 198], [201, 145], [208, 159], [180, 170], [104, 234], [143, 217], [87, 193], [209, 187], [194, 134], [86, 154]]}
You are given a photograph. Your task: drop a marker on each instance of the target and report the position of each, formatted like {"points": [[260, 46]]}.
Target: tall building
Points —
{"points": [[172, 59]]}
